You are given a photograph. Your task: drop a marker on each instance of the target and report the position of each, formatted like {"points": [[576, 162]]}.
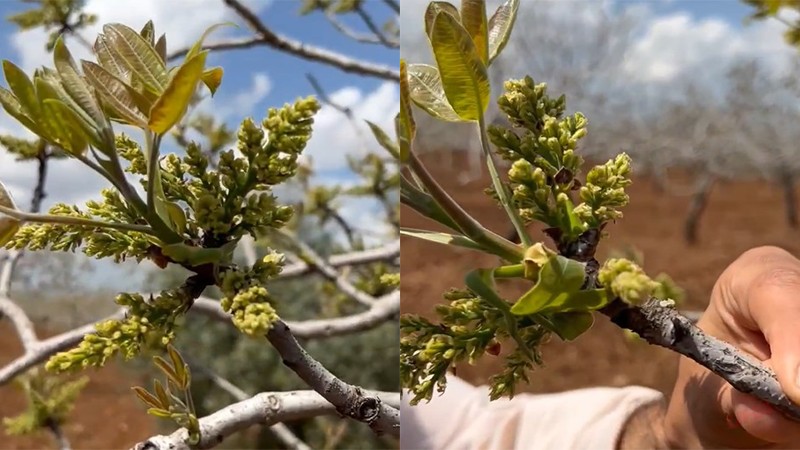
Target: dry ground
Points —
{"points": [[739, 216]]}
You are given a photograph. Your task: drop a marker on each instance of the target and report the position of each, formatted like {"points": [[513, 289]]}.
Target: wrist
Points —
{"points": [[645, 428]]}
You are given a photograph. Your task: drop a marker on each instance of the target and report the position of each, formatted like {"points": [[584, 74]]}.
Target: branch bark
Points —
{"points": [[265, 36], [264, 409], [350, 401]]}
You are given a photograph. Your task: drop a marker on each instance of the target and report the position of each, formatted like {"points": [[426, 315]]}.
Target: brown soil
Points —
{"points": [[739, 216], [106, 416]]}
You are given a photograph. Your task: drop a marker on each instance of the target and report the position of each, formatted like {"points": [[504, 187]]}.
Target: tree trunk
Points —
{"points": [[696, 207]]}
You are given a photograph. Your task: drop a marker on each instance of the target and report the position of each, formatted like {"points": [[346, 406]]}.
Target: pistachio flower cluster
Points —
{"points": [[95, 242], [545, 164], [246, 298], [469, 328]]}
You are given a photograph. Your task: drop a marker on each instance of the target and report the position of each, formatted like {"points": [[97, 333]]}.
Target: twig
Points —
{"points": [[386, 253], [341, 281], [381, 310], [367, 19], [375, 38], [393, 4], [266, 408], [58, 434], [350, 401], [267, 37]]}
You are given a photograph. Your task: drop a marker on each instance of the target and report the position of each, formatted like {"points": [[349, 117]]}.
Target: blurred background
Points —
{"points": [[339, 209], [704, 100]]}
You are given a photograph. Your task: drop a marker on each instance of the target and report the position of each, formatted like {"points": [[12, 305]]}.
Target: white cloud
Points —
{"points": [[241, 103], [334, 137], [678, 46]]}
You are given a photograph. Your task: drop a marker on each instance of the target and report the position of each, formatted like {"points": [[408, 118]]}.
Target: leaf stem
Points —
{"points": [[466, 223], [500, 188], [77, 221]]}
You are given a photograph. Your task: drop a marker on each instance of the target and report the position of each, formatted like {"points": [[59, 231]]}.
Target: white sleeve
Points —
{"points": [[463, 418]]}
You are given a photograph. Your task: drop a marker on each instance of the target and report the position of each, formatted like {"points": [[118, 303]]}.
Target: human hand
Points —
{"points": [[755, 306]]}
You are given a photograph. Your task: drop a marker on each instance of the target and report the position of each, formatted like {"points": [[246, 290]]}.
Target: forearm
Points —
{"points": [[645, 429]]}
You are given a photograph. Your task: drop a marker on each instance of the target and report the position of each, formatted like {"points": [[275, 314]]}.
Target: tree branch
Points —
{"points": [[266, 408], [265, 36], [350, 401]]}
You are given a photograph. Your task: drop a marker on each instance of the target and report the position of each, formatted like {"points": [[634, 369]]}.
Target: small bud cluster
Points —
{"points": [[469, 328], [627, 281], [604, 192], [246, 298]]}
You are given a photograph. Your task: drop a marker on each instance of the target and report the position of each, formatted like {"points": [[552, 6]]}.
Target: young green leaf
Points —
{"points": [[500, 25], [195, 256], [406, 128], [116, 94], [442, 238], [558, 290], [426, 91], [161, 48], [198, 46], [161, 393], [463, 74], [75, 85], [181, 368], [158, 412], [473, 17], [8, 225], [384, 140], [129, 49], [148, 32], [23, 89], [435, 8], [168, 370], [569, 325], [146, 397], [71, 132], [212, 78], [12, 106], [109, 60], [177, 217], [173, 102]]}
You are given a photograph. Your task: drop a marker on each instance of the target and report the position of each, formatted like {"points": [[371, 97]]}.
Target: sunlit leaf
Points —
{"points": [[72, 135], [473, 17], [500, 26], [177, 217], [435, 8], [137, 55], [198, 46], [158, 412], [569, 325], [109, 60], [407, 129], [12, 106], [148, 32], [75, 85], [463, 74], [116, 94], [212, 78], [172, 105], [426, 91], [22, 87]]}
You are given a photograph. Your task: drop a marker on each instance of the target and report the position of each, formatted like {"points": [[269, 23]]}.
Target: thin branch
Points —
{"points": [[383, 309], [386, 253], [341, 281], [266, 408], [21, 321], [59, 435], [265, 36], [382, 38], [374, 38], [350, 401]]}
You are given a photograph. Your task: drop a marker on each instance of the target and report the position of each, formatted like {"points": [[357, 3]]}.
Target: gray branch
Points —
{"points": [[263, 409], [350, 401], [265, 36]]}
